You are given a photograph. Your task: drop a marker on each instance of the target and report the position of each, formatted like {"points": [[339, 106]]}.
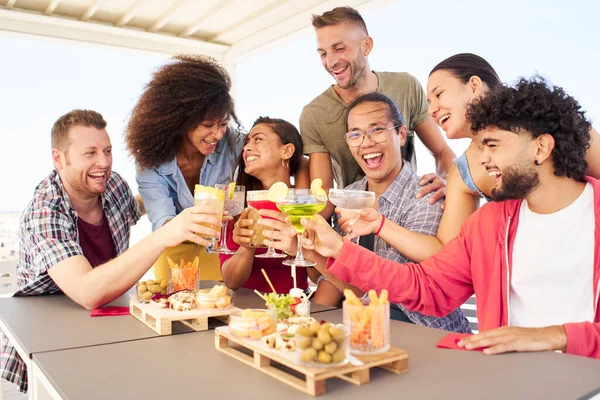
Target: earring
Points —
{"points": [[471, 100], [536, 162], [285, 164]]}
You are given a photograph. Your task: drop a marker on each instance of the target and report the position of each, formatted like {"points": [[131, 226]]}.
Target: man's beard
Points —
{"points": [[357, 69], [517, 183]]}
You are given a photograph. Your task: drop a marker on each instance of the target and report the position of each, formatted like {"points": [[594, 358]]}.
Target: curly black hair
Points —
{"points": [[532, 106], [183, 93]]}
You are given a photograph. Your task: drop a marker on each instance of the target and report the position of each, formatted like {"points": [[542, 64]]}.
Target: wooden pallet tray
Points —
{"points": [[394, 360], [160, 320]]}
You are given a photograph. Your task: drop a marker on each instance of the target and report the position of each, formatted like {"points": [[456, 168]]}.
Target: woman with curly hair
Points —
{"points": [[179, 135], [272, 153], [454, 84]]}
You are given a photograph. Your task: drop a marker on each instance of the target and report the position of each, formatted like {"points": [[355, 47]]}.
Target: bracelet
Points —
{"points": [[380, 225]]}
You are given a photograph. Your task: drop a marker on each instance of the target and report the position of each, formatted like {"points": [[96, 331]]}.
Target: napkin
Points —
{"points": [[109, 311], [450, 341]]}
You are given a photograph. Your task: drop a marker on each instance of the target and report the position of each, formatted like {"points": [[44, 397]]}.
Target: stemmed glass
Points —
{"points": [[234, 205], [301, 203], [350, 203], [259, 200]]}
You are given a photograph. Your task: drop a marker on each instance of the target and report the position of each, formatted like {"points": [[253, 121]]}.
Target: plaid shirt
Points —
{"points": [[399, 204], [48, 234]]}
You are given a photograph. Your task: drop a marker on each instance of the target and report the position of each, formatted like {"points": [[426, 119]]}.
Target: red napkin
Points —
{"points": [[109, 311], [450, 341]]}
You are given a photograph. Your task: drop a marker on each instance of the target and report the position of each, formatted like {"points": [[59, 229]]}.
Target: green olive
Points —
{"points": [[308, 355], [164, 284], [142, 282], [164, 292], [150, 282], [336, 333], [331, 347], [304, 342], [324, 357], [315, 327], [324, 336], [142, 288], [338, 356], [154, 288], [317, 344], [146, 296], [326, 326], [304, 331]]}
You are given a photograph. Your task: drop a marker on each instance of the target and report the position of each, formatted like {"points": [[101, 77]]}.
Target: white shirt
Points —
{"points": [[553, 265]]}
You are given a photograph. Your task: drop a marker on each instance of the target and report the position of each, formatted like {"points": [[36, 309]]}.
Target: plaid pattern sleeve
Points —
{"points": [[48, 235], [400, 205]]}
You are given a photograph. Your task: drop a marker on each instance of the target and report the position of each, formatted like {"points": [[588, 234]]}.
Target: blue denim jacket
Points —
{"points": [[163, 187]]}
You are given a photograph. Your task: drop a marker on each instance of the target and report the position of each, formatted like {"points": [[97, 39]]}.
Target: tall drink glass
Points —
{"points": [[258, 200], [213, 198]]}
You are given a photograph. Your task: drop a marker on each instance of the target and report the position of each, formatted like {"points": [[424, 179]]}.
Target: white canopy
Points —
{"points": [[227, 30]]}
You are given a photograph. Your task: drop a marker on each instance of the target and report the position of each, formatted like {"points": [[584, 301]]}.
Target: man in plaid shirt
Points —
{"points": [[376, 134], [75, 231]]}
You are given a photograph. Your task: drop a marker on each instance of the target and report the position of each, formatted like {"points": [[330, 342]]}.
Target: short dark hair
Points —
{"points": [[337, 16], [287, 134], [60, 130], [465, 65], [187, 90], [534, 107], [394, 113]]}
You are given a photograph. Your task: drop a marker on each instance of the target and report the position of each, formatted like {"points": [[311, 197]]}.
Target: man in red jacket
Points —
{"points": [[532, 257]]}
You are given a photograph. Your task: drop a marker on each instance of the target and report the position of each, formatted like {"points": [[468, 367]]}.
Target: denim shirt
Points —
{"points": [[163, 187]]}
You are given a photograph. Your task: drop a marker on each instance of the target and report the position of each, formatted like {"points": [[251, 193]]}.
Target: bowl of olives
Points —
{"points": [[322, 345], [147, 289]]}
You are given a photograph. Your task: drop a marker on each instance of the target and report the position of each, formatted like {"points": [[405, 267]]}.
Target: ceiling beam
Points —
{"points": [[130, 13], [91, 10], [241, 23], [159, 23], [104, 34], [9, 4], [51, 7], [193, 28]]}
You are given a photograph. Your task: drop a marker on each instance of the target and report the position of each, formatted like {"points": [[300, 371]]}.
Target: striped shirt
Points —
{"points": [[400, 205], [48, 234]]}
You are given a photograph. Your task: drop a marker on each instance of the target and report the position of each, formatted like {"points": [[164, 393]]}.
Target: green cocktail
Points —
{"points": [[301, 203], [298, 211]]}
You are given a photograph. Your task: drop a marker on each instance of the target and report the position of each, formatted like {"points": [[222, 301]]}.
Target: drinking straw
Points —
{"points": [[268, 281], [260, 295]]}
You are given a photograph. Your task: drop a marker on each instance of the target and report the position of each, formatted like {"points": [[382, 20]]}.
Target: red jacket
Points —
{"points": [[477, 261]]}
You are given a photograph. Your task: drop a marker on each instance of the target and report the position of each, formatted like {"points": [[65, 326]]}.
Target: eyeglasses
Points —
{"points": [[355, 138]]}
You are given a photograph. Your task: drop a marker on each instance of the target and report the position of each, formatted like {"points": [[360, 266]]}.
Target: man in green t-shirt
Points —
{"points": [[344, 46]]}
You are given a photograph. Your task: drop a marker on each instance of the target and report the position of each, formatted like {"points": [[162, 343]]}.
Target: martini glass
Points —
{"points": [[259, 200], [351, 203], [301, 203], [234, 205]]}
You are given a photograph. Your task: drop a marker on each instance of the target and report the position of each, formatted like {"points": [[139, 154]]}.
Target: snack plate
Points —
{"points": [[270, 361], [160, 320]]}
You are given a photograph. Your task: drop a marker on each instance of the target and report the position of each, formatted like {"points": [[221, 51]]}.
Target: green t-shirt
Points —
{"points": [[323, 121]]}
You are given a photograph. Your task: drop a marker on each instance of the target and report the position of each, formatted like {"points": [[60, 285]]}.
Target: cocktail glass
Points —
{"points": [[351, 202], [234, 205], [259, 200], [301, 203], [213, 198]]}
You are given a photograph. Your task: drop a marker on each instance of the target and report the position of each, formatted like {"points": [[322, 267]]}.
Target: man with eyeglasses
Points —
{"points": [[344, 46], [376, 134]]}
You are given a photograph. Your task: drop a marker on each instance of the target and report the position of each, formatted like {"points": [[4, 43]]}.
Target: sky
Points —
{"points": [[42, 79]]}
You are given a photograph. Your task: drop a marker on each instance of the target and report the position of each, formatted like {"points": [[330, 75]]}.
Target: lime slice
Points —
{"points": [[231, 189], [277, 192], [316, 187]]}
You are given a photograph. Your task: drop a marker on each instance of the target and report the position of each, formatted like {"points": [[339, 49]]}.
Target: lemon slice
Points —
{"points": [[277, 192], [316, 187], [231, 190]]}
